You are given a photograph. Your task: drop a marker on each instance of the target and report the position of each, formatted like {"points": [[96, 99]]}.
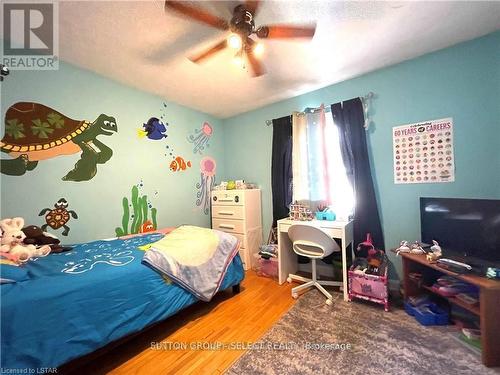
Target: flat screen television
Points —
{"points": [[467, 229]]}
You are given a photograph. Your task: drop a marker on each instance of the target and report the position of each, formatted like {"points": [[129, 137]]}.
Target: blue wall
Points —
{"points": [[462, 82], [80, 95]]}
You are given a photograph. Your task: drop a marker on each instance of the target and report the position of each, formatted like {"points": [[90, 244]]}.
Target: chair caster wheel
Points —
{"points": [[295, 295], [288, 279], [329, 302]]}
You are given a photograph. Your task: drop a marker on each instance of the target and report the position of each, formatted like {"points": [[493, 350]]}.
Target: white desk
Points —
{"points": [[287, 259]]}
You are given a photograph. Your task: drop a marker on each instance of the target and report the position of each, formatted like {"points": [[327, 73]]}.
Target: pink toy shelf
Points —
{"points": [[369, 287]]}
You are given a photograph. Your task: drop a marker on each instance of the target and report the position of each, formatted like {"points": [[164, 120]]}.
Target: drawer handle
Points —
{"points": [[227, 213], [225, 226], [225, 200]]}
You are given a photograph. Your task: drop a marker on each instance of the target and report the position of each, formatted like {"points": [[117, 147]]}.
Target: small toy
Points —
{"points": [[414, 248], [12, 246], [435, 253], [366, 247], [300, 212], [231, 185], [58, 217], [403, 247], [493, 273], [36, 236]]}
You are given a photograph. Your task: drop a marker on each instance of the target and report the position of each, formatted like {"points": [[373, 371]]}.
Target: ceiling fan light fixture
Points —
{"points": [[238, 60], [234, 41], [258, 49]]}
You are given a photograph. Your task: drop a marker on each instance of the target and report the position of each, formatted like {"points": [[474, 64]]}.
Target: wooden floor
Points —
{"points": [[226, 319]]}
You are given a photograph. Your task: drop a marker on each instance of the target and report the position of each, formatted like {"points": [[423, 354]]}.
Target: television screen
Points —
{"points": [[465, 228]]}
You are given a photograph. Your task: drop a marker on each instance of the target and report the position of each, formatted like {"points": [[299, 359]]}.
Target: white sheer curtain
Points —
{"points": [[319, 175]]}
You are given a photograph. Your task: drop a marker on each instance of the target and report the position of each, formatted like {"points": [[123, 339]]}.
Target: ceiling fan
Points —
{"points": [[241, 27]]}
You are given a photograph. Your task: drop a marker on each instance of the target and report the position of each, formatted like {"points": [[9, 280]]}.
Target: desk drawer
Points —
{"points": [[228, 212], [228, 225]]}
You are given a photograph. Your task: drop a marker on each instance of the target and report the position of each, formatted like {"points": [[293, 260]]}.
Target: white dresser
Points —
{"points": [[238, 212]]}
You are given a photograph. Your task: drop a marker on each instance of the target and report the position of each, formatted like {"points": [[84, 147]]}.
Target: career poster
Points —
{"points": [[423, 152]]}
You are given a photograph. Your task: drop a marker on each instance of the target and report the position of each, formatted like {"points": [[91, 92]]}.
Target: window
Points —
{"points": [[319, 175]]}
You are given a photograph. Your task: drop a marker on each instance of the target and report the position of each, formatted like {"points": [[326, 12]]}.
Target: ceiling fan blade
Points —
{"points": [[285, 31], [209, 51], [252, 6], [255, 65], [197, 14]]}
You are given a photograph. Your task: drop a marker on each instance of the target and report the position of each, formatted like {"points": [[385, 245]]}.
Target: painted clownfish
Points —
{"points": [[147, 226], [179, 164]]}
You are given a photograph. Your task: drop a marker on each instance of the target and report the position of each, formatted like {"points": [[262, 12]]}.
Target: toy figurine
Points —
{"points": [[435, 253], [403, 247], [416, 248]]}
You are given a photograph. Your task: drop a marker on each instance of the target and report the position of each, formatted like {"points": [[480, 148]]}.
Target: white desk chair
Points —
{"points": [[312, 243]]}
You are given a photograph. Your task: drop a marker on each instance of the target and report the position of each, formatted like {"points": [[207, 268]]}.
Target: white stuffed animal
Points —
{"points": [[12, 246], [435, 253]]}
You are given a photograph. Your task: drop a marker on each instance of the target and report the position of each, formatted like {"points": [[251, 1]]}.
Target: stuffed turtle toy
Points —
{"points": [[58, 217], [35, 132]]}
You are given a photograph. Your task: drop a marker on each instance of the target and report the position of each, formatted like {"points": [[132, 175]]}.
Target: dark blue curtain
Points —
{"points": [[281, 167], [349, 118]]}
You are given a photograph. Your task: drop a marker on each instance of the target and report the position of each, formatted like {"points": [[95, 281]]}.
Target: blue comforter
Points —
{"points": [[78, 301]]}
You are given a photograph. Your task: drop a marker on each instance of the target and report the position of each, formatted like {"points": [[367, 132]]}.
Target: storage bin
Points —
{"points": [[266, 267], [328, 215], [431, 315], [409, 308]]}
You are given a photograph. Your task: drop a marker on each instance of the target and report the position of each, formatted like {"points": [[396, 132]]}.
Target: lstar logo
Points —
{"points": [[30, 35]]}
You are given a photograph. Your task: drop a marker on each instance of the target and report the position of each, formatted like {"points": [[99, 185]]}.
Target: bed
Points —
{"points": [[79, 301]]}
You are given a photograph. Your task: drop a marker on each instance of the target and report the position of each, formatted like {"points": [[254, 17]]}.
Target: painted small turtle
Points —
{"points": [[58, 217], [35, 132]]}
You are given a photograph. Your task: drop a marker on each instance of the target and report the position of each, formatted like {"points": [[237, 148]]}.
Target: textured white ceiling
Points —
{"points": [[136, 43]]}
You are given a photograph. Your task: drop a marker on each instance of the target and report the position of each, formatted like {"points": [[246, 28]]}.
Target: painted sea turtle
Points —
{"points": [[58, 217], [36, 132]]}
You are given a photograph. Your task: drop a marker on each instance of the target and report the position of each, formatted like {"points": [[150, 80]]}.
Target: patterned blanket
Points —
{"points": [[193, 257]]}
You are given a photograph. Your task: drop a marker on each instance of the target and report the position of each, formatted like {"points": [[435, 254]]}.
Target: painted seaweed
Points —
{"points": [[131, 224]]}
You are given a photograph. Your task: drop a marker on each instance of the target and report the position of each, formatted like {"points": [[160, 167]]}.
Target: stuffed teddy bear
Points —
{"points": [[12, 246], [36, 236]]}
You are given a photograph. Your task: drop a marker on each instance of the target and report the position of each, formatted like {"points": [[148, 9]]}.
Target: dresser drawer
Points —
{"points": [[228, 197], [243, 240], [228, 225], [228, 212]]}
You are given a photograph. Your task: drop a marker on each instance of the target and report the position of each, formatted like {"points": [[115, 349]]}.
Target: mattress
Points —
{"points": [[79, 301]]}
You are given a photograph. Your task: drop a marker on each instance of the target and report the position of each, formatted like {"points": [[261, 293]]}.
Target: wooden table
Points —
{"points": [[488, 309]]}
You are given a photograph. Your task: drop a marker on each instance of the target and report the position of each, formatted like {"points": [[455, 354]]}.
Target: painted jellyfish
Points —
{"points": [[207, 181], [201, 137]]}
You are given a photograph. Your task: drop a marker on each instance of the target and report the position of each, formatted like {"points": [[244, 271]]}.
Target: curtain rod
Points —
{"points": [[368, 96]]}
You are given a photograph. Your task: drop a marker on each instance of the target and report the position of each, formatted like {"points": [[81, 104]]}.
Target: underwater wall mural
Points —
{"points": [[207, 182], [139, 215], [179, 164], [200, 138], [58, 216], [153, 129], [35, 132]]}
